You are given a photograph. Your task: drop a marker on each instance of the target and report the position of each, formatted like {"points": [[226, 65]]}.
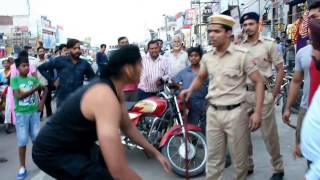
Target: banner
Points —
{"points": [[188, 18], [236, 15]]}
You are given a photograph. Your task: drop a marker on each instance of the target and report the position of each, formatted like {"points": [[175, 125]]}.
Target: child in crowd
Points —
{"points": [[27, 108], [197, 101]]}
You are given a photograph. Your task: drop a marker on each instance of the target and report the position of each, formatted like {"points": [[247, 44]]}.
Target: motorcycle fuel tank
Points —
{"points": [[155, 106]]}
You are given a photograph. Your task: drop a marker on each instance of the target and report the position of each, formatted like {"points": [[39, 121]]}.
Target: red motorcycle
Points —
{"points": [[159, 119]]}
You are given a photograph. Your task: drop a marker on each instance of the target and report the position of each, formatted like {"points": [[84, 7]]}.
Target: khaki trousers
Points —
{"points": [[268, 129], [227, 127]]}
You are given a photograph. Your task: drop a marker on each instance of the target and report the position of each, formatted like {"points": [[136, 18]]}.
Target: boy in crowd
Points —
{"points": [[197, 101], [27, 109]]}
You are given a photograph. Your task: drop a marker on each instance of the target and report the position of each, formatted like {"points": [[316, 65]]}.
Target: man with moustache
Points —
{"points": [[265, 55], [41, 60], [71, 71], [227, 66], [177, 57]]}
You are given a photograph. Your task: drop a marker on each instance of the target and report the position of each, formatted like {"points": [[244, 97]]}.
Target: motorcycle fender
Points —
{"points": [[176, 130]]}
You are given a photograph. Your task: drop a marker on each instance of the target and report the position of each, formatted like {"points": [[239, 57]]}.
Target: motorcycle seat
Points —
{"points": [[130, 104]]}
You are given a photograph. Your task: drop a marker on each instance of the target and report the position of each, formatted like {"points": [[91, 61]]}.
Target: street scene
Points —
{"points": [[169, 89], [149, 168]]}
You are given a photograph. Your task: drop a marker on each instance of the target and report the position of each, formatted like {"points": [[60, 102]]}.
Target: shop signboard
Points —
{"points": [[188, 19], [236, 15]]}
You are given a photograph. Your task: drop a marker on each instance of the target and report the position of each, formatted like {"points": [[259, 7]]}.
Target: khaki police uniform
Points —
{"points": [[265, 54], [227, 118]]}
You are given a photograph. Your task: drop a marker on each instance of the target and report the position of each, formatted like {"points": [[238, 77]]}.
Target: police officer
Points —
{"points": [[227, 67], [265, 54]]}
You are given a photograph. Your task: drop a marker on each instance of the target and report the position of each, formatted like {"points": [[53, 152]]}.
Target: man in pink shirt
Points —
{"points": [[155, 68]]}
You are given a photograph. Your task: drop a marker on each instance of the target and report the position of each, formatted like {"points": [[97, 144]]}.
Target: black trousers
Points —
{"points": [[47, 104], [72, 166]]}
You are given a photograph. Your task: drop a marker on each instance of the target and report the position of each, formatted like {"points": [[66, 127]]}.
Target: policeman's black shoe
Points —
{"points": [[250, 171], [277, 176]]}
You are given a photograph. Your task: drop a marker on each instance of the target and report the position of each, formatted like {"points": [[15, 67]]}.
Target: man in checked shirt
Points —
{"points": [[155, 68]]}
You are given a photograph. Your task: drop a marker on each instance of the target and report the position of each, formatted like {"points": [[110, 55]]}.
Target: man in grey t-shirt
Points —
{"points": [[302, 65]]}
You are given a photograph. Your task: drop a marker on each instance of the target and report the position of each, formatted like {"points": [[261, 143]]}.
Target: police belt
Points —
{"points": [[225, 108], [253, 88]]}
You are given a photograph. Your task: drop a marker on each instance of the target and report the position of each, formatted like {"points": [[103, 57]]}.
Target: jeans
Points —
{"points": [[27, 124]]}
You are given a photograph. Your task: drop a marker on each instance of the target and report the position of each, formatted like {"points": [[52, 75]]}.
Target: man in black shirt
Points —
{"points": [[71, 71], [101, 57]]}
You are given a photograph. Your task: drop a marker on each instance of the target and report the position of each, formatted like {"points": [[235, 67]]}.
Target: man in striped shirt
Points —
{"points": [[155, 68]]}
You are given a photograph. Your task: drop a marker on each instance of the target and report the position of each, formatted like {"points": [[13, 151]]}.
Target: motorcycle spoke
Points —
{"points": [[180, 161], [197, 143], [173, 155], [177, 145]]}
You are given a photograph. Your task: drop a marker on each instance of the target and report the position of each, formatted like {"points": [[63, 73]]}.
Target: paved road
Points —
{"points": [[150, 169]]}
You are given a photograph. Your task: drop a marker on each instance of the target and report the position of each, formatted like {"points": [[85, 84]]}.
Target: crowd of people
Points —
{"points": [[230, 85]]}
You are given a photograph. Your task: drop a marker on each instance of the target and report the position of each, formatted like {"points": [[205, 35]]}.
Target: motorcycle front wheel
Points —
{"points": [[174, 151]]}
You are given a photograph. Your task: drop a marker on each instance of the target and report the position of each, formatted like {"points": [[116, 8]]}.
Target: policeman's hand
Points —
{"points": [[185, 94], [286, 116], [164, 163], [255, 122]]}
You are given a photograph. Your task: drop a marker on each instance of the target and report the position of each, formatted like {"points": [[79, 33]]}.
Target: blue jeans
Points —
{"points": [[27, 124], [197, 112]]}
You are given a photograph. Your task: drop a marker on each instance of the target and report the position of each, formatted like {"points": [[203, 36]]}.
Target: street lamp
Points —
{"points": [[166, 26]]}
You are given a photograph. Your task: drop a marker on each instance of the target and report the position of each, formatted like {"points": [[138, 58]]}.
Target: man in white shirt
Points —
{"points": [[41, 59], [310, 141], [177, 57]]}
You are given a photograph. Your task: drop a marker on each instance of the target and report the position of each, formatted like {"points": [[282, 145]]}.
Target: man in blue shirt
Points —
{"points": [[197, 100], [71, 71], [101, 57]]}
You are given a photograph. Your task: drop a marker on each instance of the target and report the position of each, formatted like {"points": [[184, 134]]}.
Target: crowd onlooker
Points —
{"points": [[155, 69], [27, 108], [177, 57]]}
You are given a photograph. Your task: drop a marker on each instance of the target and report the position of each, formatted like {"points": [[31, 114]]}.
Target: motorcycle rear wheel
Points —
{"points": [[174, 151]]}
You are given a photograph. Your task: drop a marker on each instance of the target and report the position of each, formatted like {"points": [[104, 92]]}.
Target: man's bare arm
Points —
{"points": [[107, 114], [279, 79], [21, 95]]}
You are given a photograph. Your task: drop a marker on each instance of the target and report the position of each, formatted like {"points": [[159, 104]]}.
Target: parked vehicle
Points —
{"points": [[160, 121]]}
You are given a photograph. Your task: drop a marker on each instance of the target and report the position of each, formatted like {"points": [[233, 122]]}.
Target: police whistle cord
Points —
{"points": [[186, 137]]}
